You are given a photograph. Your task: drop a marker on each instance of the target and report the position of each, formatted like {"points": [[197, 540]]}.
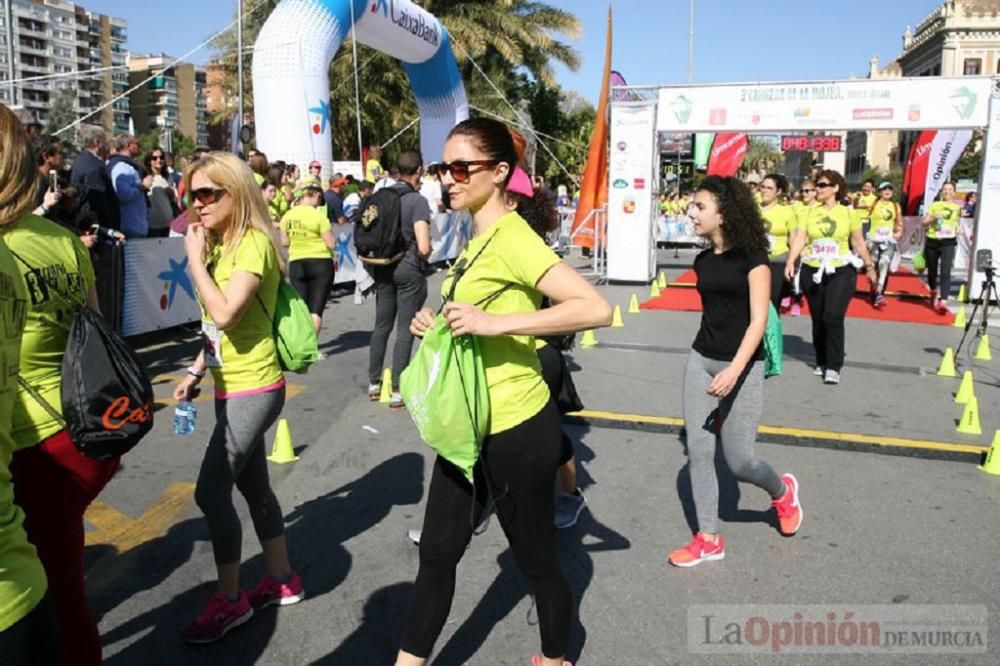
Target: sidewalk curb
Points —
{"points": [[894, 446]]}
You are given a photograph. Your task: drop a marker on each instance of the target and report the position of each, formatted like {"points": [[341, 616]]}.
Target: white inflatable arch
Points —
{"points": [[291, 63]]}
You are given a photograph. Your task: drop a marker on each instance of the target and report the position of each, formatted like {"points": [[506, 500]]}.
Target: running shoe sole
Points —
{"points": [[229, 627], [284, 601], [795, 503], [704, 558]]}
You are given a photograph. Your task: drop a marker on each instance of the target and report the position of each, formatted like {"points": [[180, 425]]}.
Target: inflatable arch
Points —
{"points": [[291, 62]]}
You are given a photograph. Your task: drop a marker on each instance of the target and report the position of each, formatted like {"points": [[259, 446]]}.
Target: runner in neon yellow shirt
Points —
{"points": [[779, 223], [306, 232], [863, 201], [941, 225], [805, 201], [883, 234]]}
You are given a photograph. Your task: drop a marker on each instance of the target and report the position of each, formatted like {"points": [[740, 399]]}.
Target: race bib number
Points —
{"points": [[882, 234], [825, 248], [945, 231], [212, 338], [771, 240]]}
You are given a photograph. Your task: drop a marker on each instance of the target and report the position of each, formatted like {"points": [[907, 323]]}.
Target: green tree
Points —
{"points": [[971, 161], [61, 114], [761, 157], [183, 144]]}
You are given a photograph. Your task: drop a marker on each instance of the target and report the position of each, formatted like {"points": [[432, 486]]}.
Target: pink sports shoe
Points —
{"points": [[219, 618], [537, 661], [269, 592]]}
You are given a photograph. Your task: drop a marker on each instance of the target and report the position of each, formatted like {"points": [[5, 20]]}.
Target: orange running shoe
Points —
{"points": [[788, 508], [699, 550]]}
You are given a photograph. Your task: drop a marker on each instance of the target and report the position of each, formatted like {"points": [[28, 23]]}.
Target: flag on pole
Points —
{"points": [[728, 151], [946, 148], [594, 187], [915, 175]]}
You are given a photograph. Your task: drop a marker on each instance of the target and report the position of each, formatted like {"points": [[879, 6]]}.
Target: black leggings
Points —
{"points": [[780, 287], [828, 303], [940, 251], [31, 641], [521, 466], [552, 373], [312, 278]]}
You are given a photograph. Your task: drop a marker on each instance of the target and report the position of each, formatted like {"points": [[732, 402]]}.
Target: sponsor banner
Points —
{"points": [[345, 255], [634, 155], [907, 104], [450, 233], [702, 148], [986, 233], [915, 174], [676, 230], [158, 291], [945, 150], [728, 152], [349, 169]]}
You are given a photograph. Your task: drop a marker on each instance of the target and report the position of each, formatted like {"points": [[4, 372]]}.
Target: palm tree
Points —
{"points": [[762, 157]]}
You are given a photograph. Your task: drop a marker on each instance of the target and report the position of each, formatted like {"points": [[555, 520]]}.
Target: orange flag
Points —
{"points": [[594, 188]]}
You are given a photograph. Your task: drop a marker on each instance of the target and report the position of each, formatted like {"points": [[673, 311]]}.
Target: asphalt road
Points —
{"points": [[899, 531]]}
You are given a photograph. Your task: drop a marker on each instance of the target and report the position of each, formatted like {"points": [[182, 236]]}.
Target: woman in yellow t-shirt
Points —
{"points": [[862, 203], [27, 622], [307, 234], [236, 267], [941, 230], [509, 266], [885, 229], [779, 223], [829, 274]]}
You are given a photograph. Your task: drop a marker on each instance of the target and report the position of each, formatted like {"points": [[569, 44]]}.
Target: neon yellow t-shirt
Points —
{"points": [[373, 170], [757, 197], [946, 226], [863, 204], [244, 358], [59, 262], [883, 219], [779, 222], [802, 211], [304, 226], [828, 231], [22, 579], [518, 256]]}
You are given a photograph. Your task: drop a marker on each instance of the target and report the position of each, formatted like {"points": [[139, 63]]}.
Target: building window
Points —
{"points": [[973, 66]]}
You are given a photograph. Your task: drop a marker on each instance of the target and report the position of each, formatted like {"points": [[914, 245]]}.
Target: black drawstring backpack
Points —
{"points": [[106, 395]]}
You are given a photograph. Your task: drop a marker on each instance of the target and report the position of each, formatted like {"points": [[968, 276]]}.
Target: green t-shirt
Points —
{"points": [[515, 255], [304, 226], [863, 204], [779, 223], [828, 231], [59, 262], [244, 359], [883, 219], [947, 214], [22, 579]]}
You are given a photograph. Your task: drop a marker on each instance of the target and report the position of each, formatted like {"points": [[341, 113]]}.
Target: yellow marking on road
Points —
{"points": [[802, 433], [207, 392], [124, 532]]}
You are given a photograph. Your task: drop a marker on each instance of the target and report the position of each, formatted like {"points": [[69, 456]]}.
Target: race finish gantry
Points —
{"points": [[905, 104]]}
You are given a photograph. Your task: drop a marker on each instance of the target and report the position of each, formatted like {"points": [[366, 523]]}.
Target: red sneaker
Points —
{"points": [[269, 592], [788, 508], [699, 550], [536, 660], [219, 618], [941, 306]]}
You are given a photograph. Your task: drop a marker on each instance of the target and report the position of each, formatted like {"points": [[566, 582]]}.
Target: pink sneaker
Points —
{"points": [[787, 507], [219, 618], [536, 660], [796, 310], [269, 592]]}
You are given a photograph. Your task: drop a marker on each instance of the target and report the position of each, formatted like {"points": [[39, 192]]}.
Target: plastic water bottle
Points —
{"points": [[185, 416]]}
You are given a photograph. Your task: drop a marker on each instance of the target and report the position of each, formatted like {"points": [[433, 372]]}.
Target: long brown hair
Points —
{"points": [[18, 173]]}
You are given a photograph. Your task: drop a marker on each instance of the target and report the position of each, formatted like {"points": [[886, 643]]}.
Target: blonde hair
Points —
{"points": [[231, 174], [18, 173]]}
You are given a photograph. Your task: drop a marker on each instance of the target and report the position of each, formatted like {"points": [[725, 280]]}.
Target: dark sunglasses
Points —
{"points": [[808, 190], [155, 157], [207, 195], [460, 171], [824, 185]]}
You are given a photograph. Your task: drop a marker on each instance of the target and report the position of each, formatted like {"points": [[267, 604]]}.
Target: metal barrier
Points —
{"points": [[599, 251]]}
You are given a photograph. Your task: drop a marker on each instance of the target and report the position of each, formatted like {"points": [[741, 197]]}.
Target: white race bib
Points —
{"points": [[212, 338], [825, 248], [771, 240], [945, 231], [882, 234]]}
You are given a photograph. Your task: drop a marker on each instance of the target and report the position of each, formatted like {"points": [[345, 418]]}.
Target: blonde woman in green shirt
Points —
{"points": [[941, 229]]}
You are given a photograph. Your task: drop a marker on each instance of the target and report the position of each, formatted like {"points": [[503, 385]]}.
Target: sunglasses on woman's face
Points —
{"points": [[155, 157], [460, 171], [207, 195], [823, 186], [808, 190]]}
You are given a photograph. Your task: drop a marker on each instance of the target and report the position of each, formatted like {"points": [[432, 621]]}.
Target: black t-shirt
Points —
{"points": [[725, 301]]}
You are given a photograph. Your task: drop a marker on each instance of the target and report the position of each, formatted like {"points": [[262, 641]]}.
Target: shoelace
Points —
{"points": [[784, 507]]}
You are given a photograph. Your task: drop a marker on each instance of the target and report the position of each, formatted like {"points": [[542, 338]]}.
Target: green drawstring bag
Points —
{"points": [[294, 332], [774, 344], [919, 262], [444, 389]]}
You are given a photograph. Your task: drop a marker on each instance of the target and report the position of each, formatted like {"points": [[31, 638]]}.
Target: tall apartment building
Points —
{"points": [[42, 38], [173, 99]]}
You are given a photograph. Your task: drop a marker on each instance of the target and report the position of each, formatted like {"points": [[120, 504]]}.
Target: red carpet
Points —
{"points": [[901, 283], [909, 311]]}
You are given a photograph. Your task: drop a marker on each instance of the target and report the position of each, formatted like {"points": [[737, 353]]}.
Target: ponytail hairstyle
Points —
{"points": [[742, 224], [539, 211]]}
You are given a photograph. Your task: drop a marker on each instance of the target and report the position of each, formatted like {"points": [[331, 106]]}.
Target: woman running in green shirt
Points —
{"points": [[941, 228]]}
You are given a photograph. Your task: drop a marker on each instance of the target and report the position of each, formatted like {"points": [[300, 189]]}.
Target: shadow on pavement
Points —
{"points": [[376, 640], [347, 341], [316, 532]]}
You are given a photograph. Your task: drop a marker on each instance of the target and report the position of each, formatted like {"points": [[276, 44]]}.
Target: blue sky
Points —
{"points": [[735, 40]]}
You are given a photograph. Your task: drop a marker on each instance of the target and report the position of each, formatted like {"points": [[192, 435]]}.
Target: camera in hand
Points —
{"points": [[105, 234]]}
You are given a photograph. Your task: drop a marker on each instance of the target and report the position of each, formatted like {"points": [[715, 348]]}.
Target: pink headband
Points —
{"points": [[520, 183]]}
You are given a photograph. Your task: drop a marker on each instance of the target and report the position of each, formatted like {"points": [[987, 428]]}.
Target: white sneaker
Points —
{"points": [[414, 536], [831, 377], [819, 371]]}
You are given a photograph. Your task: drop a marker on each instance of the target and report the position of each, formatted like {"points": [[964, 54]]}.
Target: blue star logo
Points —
{"points": [[323, 111], [344, 250], [177, 276]]}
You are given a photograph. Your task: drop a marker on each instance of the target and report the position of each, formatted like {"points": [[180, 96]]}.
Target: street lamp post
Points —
{"points": [[239, 63], [691, 43]]}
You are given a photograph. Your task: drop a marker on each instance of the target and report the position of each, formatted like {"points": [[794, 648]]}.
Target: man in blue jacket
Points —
{"points": [[131, 185]]}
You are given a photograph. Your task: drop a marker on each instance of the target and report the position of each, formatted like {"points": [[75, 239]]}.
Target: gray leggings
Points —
{"points": [[733, 420], [400, 291], [236, 456]]}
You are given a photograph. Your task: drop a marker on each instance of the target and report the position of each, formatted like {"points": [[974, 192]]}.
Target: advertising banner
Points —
{"points": [[915, 175], [945, 151], [932, 102], [631, 175], [986, 233], [158, 291], [727, 154], [450, 233]]}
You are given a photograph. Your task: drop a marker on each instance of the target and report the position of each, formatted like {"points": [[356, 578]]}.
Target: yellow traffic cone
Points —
{"points": [[992, 464], [983, 351], [947, 368], [969, 424], [662, 282], [959, 317], [589, 339], [633, 305], [386, 394], [616, 319], [961, 294], [654, 290], [283, 451], [965, 389]]}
